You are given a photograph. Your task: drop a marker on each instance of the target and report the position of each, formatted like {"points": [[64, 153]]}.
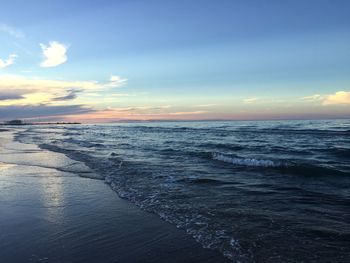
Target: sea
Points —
{"points": [[257, 191]]}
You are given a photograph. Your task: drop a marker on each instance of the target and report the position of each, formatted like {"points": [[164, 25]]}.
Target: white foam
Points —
{"points": [[244, 161]]}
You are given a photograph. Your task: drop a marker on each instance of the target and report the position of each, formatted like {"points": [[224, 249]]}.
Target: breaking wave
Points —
{"points": [[245, 161]]}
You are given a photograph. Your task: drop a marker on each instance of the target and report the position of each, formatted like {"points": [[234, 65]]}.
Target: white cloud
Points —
{"points": [[337, 98], [7, 62], [204, 105], [54, 54], [115, 81], [38, 90], [340, 97], [250, 100], [316, 97], [11, 31]]}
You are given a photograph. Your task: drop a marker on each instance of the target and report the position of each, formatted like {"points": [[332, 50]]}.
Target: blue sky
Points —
{"points": [[174, 59]]}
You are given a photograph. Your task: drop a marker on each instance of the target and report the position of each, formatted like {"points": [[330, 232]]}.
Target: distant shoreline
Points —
{"points": [[40, 123], [153, 121]]}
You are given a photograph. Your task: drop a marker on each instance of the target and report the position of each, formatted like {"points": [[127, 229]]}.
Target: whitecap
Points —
{"points": [[244, 161]]}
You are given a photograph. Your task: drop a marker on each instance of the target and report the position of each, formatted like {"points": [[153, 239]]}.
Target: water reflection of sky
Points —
{"points": [[4, 166], [52, 195]]}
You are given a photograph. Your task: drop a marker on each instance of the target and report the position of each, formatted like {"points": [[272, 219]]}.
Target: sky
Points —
{"points": [[104, 61]]}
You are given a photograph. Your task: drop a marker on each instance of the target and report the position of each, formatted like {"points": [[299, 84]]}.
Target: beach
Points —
{"points": [[175, 192], [175, 131], [55, 209]]}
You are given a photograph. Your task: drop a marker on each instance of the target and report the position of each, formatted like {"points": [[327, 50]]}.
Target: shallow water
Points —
{"points": [[49, 214], [257, 191]]}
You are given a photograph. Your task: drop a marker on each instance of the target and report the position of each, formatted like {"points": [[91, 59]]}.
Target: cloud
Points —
{"points": [[71, 95], [43, 110], [38, 90], [54, 54], [142, 108], [7, 62], [115, 114], [316, 97], [250, 100], [204, 105], [340, 97], [147, 111], [10, 96], [11, 31], [115, 81]]}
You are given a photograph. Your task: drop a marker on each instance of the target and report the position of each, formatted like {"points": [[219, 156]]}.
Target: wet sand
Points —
{"points": [[48, 213]]}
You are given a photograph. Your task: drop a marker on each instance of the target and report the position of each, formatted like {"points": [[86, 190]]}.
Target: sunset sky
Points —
{"points": [[95, 61]]}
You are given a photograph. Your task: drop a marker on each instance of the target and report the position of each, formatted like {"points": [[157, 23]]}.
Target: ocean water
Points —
{"points": [[263, 191]]}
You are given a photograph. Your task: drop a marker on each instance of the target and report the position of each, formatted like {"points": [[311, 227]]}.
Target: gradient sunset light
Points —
{"points": [[174, 60]]}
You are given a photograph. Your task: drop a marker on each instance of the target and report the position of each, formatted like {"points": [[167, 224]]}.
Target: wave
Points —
{"points": [[335, 151], [320, 132], [245, 161], [283, 166], [216, 145], [204, 181], [81, 143], [101, 166]]}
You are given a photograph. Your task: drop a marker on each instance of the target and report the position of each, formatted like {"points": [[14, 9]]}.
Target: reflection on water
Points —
{"points": [[52, 196], [53, 193], [4, 166]]}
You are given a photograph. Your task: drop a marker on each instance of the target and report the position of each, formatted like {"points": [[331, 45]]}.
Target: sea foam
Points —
{"points": [[244, 161]]}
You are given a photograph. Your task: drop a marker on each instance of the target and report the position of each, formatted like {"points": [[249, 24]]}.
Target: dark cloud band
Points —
{"points": [[43, 110]]}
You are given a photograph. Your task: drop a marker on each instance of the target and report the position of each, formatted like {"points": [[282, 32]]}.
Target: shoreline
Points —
{"points": [[50, 214]]}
